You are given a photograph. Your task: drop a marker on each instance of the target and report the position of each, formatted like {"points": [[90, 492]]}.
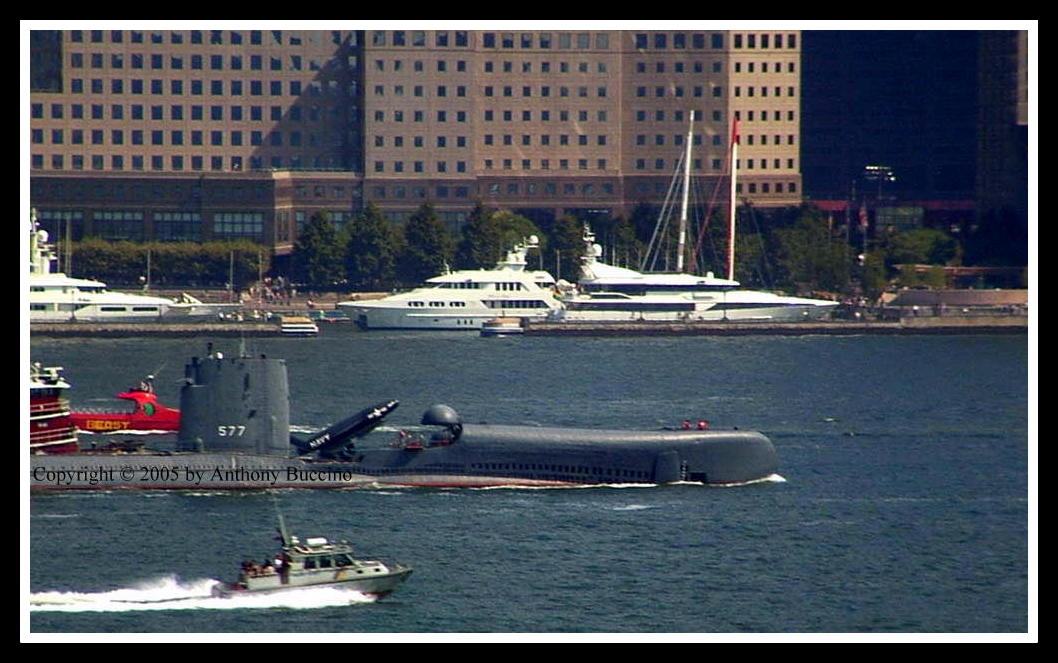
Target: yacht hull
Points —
{"points": [[469, 317], [784, 313]]}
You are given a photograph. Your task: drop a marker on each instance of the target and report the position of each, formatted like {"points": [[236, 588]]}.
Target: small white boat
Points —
{"points": [[314, 562], [502, 327], [298, 326]]}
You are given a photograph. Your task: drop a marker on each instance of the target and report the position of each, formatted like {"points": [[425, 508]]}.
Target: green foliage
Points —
{"points": [[875, 275], [515, 229], [909, 276], [178, 264], [372, 250], [481, 244], [489, 234], [318, 259], [618, 238], [429, 247], [811, 258], [922, 246], [567, 247]]}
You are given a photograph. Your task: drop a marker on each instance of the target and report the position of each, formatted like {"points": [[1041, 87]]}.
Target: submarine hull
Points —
{"points": [[498, 456], [235, 435]]}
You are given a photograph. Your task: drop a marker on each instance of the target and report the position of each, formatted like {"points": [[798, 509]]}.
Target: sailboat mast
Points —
{"points": [[731, 206], [681, 242]]}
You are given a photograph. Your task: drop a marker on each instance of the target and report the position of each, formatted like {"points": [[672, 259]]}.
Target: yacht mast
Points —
{"points": [[731, 206], [681, 250]]}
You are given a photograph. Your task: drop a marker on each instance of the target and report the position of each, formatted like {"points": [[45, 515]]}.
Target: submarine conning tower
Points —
{"points": [[240, 404]]}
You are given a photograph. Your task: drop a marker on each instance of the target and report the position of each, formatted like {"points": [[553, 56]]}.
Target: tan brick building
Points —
{"points": [[244, 133]]}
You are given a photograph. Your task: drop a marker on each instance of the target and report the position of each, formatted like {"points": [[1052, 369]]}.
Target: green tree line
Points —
{"points": [[793, 250], [171, 264], [371, 253]]}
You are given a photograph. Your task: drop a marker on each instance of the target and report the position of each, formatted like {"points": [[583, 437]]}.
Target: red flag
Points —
{"points": [[863, 215], [734, 132]]}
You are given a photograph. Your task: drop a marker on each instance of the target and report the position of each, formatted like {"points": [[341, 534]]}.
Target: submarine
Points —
{"points": [[235, 435]]}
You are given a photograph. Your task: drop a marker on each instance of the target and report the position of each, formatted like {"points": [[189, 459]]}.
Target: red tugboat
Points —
{"points": [[147, 414], [51, 428]]}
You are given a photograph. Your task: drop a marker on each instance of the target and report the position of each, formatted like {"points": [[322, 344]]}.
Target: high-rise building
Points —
{"points": [[199, 134]]}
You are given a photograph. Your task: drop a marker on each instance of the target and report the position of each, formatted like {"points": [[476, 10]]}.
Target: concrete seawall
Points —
{"points": [[924, 325], [156, 329], [907, 326]]}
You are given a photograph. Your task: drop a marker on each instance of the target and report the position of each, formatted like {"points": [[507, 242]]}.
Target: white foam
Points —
{"points": [[169, 593]]}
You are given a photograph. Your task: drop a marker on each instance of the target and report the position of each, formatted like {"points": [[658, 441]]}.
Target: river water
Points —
{"points": [[905, 507]]}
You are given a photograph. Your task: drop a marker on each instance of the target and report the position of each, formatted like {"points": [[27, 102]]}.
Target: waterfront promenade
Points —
{"points": [[1007, 324]]}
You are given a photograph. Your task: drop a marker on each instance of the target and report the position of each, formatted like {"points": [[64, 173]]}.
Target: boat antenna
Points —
{"points": [[284, 536]]}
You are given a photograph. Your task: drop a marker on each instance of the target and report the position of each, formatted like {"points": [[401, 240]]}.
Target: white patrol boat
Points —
{"points": [[314, 562]]}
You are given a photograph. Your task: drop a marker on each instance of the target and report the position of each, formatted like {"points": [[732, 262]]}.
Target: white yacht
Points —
{"points": [[465, 299], [56, 297], [610, 293]]}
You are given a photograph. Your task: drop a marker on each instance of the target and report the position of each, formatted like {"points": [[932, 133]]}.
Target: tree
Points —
{"points": [[875, 275], [567, 246], [429, 246], [171, 263], [811, 258], [373, 247], [318, 259], [922, 246], [481, 244], [626, 248], [488, 235]]}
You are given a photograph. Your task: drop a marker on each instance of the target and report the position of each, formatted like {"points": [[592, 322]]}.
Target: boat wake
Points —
{"points": [[169, 593]]}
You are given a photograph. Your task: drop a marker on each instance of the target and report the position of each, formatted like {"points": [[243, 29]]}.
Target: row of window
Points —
{"points": [[255, 62], [237, 163], [698, 91], [197, 87], [214, 37], [178, 162], [401, 192], [548, 189], [678, 40], [258, 88], [444, 39], [179, 137], [717, 139], [193, 112], [717, 165], [174, 226], [214, 62], [314, 113], [130, 225]]}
